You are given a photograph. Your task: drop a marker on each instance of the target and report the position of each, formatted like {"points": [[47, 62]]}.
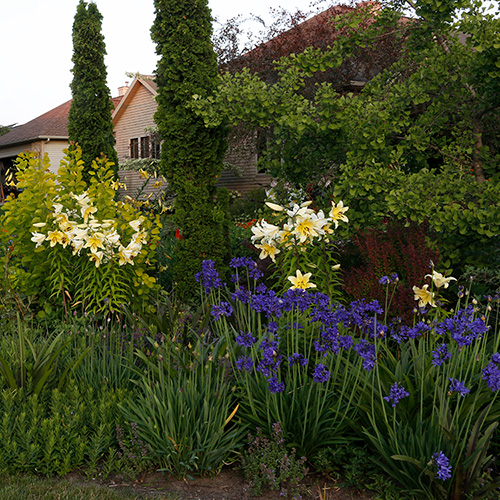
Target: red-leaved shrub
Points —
{"points": [[375, 253]]}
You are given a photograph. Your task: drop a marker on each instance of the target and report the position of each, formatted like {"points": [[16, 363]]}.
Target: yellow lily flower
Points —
{"points": [[54, 237], [97, 258], [301, 281], [94, 242], [38, 238], [268, 251], [338, 213], [424, 296]]}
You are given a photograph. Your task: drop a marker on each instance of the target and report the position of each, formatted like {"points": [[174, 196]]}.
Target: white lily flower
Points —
{"points": [[38, 238], [440, 280]]}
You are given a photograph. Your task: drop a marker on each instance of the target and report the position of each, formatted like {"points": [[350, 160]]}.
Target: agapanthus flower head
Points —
{"points": [[208, 276], [367, 352], [491, 375], [387, 280], [275, 385], [440, 355], [396, 393], [457, 386], [321, 373], [297, 358], [245, 340], [222, 309], [443, 466], [244, 363]]}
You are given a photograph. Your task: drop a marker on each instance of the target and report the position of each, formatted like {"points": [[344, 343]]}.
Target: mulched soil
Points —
{"points": [[228, 485]]}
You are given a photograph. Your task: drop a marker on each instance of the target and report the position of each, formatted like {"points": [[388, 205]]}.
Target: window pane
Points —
{"points": [[134, 148]]}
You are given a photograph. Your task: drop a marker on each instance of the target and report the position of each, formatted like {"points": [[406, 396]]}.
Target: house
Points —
{"points": [[46, 134], [133, 119]]}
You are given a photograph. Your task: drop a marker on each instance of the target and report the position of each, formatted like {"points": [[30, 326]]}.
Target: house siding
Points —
{"points": [[135, 115], [54, 149]]}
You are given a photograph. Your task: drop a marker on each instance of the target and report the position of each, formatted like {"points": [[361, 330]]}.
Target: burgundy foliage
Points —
{"points": [[382, 252]]}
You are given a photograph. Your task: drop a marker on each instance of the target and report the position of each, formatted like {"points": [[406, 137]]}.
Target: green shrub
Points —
{"points": [[56, 432]]}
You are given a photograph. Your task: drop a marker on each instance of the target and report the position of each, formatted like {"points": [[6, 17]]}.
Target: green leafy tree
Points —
{"points": [[90, 122], [4, 129], [192, 154], [429, 120]]}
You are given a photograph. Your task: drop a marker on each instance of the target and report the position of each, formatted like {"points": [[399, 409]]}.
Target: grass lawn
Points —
{"points": [[34, 488]]}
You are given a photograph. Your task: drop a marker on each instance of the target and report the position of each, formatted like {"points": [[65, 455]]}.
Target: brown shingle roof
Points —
{"points": [[53, 124]]}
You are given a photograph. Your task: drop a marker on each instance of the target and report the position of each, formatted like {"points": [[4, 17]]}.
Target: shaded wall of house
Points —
{"points": [[240, 174]]}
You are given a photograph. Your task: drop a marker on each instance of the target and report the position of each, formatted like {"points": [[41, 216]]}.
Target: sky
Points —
{"points": [[36, 47]]}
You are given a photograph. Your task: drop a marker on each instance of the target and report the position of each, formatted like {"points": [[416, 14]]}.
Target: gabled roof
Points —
{"points": [[50, 125], [147, 81]]}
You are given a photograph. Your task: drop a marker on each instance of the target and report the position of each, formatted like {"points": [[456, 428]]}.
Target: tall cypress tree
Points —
{"points": [[192, 154], [90, 122]]}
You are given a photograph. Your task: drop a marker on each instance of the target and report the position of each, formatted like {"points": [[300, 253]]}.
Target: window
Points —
{"points": [[134, 148], [145, 152]]}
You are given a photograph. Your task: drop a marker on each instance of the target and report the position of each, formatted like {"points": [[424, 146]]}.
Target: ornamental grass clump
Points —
{"points": [[76, 246]]}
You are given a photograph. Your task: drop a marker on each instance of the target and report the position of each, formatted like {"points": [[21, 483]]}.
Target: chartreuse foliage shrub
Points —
{"points": [[423, 397], [192, 154], [74, 245]]}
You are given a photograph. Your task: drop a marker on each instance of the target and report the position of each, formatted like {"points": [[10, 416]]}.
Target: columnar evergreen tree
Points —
{"points": [[192, 154], [90, 122]]}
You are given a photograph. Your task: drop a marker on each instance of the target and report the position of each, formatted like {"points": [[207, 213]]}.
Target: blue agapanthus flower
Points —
{"points": [[396, 393], [321, 374], [457, 386], [443, 465]]}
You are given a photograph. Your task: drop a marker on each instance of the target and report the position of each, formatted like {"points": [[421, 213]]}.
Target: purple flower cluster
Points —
{"points": [[367, 352], [275, 385], [491, 373], [297, 358], [270, 360], [244, 363], [462, 327], [387, 280], [249, 264], [223, 309], [209, 276], [406, 332], [443, 465], [321, 374], [396, 393], [245, 339], [440, 355], [457, 386], [241, 295]]}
